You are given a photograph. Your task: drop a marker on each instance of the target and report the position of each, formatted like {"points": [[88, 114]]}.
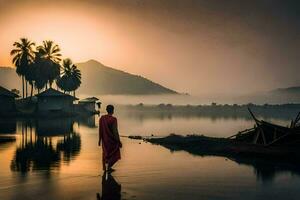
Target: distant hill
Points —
{"points": [[9, 79], [100, 79], [288, 95], [289, 90], [97, 79]]}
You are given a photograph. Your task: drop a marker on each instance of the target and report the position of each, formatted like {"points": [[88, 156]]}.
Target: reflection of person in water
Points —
{"points": [[109, 136], [111, 189]]}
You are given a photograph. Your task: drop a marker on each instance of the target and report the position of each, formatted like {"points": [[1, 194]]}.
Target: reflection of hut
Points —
{"points": [[8, 126], [54, 100], [70, 146], [54, 127], [88, 121], [90, 104], [7, 100]]}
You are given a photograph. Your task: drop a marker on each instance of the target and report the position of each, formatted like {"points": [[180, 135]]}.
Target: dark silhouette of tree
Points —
{"points": [[51, 52], [42, 67], [30, 76], [37, 72], [23, 56], [70, 78]]}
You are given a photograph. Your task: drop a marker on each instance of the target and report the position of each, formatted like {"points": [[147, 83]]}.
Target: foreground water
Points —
{"points": [[60, 159]]}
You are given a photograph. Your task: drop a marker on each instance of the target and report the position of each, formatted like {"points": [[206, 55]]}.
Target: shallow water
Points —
{"points": [[60, 159]]}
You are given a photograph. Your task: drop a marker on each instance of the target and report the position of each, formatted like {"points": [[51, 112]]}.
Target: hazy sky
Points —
{"points": [[195, 46]]}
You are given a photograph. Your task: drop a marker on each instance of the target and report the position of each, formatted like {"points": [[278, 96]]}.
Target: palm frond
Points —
{"points": [[15, 51]]}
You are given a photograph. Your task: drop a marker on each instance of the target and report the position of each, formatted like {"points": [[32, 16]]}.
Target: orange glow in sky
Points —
{"points": [[199, 49], [80, 35]]}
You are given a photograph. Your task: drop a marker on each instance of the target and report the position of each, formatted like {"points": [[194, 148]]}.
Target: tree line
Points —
{"points": [[40, 66]]}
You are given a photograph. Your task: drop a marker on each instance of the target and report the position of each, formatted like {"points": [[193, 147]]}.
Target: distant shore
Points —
{"points": [[280, 111]]}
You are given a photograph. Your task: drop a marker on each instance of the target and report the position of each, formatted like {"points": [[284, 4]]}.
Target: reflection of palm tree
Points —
{"points": [[37, 152], [70, 146], [50, 52], [23, 56], [71, 77], [36, 156], [111, 189]]}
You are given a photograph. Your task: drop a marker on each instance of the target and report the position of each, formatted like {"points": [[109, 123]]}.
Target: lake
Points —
{"points": [[60, 159]]}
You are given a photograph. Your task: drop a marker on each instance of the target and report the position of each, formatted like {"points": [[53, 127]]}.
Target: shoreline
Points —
{"points": [[224, 147]]}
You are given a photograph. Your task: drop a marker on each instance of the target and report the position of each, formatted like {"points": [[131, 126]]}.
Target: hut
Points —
{"points": [[7, 100], [52, 100], [90, 104]]}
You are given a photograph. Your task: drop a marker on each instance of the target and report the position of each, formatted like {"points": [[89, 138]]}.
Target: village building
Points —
{"points": [[52, 100], [7, 100], [90, 104]]}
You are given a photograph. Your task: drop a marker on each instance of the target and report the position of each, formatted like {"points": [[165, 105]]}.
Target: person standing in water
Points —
{"points": [[110, 139]]}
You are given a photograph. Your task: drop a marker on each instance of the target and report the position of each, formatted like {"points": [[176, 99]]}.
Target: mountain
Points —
{"points": [[97, 79], [276, 96], [9, 79], [290, 90], [100, 79]]}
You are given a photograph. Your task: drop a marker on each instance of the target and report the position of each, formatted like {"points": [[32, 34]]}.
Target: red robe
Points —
{"points": [[110, 144]]}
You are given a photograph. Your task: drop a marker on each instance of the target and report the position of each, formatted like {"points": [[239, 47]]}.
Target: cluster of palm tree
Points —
{"points": [[40, 66]]}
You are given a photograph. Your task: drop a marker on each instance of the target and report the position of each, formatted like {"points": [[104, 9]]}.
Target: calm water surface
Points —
{"points": [[60, 159]]}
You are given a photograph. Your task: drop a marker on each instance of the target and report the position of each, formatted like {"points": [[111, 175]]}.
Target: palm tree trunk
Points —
{"points": [[31, 92], [23, 87], [26, 89]]}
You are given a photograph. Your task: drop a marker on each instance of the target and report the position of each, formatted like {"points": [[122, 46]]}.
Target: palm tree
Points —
{"points": [[30, 76], [40, 68], [70, 79], [51, 52], [23, 55]]}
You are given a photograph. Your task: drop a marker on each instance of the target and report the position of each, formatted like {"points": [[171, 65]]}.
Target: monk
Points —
{"points": [[110, 139]]}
